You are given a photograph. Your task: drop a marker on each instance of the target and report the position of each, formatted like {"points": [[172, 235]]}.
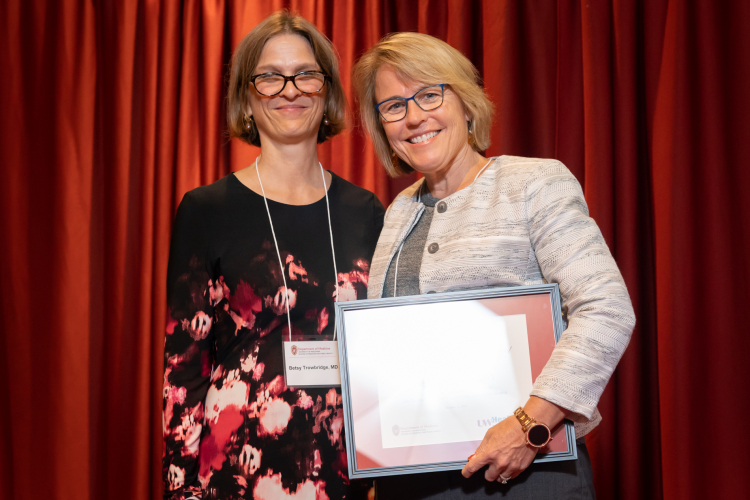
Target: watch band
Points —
{"points": [[525, 420]]}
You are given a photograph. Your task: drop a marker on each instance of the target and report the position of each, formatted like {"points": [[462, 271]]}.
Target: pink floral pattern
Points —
{"points": [[246, 407]]}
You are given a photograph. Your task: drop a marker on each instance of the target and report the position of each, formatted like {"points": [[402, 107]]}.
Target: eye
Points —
{"points": [[392, 106], [429, 96], [269, 77], [309, 75]]}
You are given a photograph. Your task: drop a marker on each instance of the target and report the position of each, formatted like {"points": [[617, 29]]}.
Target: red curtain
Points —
{"points": [[111, 111]]}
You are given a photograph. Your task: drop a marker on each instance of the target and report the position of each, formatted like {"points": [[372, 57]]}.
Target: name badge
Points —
{"points": [[312, 363]]}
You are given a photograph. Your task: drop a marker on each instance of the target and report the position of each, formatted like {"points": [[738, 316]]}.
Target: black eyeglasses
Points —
{"points": [[429, 98], [271, 84]]}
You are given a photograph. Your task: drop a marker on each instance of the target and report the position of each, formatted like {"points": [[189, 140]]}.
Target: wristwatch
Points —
{"points": [[537, 434]]}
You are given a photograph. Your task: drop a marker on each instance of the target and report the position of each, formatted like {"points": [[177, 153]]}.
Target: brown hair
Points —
{"points": [[245, 59], [417, 57]]}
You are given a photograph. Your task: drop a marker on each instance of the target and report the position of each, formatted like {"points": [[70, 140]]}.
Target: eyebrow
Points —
{"points": [[392, 97], [272, 68], [400, 97]]}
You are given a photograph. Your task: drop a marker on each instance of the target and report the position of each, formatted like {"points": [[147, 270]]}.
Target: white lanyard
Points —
{"points": [[419, 199], [278, 254]]}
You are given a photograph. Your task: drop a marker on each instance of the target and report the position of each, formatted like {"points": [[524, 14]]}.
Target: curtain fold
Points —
{"points": [[111, 111], [701, 136]]}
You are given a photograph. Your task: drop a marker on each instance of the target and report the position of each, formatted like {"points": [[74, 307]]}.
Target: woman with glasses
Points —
{"points": [[259, 258], [475, 222]]}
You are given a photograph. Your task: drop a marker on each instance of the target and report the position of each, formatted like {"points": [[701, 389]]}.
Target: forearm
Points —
{"points": [[545, 412]]}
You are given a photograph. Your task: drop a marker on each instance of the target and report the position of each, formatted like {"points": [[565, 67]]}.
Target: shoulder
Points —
{"points": [[408, 195], [529, 168], [520, 176], [212, 204], [352, 196], [210, 195]]}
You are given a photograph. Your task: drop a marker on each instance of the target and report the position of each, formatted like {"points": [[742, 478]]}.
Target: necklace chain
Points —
{"points": [[419, 199], [278, 254]]}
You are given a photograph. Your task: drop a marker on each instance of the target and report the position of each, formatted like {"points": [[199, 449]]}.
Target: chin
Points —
{"points": [[296, 135], [425, 163], [296, 127]]}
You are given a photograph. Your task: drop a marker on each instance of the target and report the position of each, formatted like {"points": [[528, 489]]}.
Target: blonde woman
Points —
{"points": [[475, 222], [256, 257]]}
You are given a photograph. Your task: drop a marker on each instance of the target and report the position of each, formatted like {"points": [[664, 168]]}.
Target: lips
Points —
{"points": [[423, 137], [290, 108]]}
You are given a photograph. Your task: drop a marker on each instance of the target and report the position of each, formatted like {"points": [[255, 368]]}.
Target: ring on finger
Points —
{"points": [[504, 480]]}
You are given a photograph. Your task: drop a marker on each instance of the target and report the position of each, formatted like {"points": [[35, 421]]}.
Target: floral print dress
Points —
{"points": [[232, 428]]}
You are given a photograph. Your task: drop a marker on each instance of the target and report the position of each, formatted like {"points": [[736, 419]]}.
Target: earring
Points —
{"points": [[326, 121], [249, 122], [469, 124]]}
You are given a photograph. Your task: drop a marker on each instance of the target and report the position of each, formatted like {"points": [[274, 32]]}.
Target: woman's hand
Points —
{"points": [[504, 448]]}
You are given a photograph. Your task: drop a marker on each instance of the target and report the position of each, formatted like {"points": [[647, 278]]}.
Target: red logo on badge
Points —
{"points": [[294, 350]]}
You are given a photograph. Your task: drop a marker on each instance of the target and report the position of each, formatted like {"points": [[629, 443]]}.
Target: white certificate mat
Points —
{"points": [[453, 387]]}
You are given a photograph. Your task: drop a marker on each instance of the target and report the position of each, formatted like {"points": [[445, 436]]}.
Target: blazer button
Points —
{"points": [[442, 207], [434, 247]]}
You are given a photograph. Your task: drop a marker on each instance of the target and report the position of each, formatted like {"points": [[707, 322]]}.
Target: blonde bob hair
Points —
{"points": [[416, 57], [246, 57]]}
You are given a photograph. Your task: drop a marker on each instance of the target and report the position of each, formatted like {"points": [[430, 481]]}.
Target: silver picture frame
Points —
{"points": [[359, 465]]}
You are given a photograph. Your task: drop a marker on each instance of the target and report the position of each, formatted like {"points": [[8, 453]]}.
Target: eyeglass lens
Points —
{"points": [[427, 99], [308, 83]]}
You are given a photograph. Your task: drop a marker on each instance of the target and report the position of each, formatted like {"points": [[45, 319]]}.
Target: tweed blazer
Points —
{"points": [[524, 221]]}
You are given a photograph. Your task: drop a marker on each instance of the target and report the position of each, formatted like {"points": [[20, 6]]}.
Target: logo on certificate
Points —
{"points": [[294, 350], [488, 422], [395, 430]]}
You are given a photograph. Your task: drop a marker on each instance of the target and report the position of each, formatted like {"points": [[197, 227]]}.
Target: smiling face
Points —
{"points": [[291, 116], [429, 141]]}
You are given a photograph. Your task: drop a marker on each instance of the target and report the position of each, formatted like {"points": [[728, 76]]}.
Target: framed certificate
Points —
{"points": [[423, 377]]}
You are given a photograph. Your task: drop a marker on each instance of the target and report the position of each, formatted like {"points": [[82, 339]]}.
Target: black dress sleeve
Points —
{"points": [[188, 357], [378, 215]]}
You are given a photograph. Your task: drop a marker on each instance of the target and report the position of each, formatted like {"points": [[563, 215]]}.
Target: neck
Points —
{"points": [[290, 173], [461, 173], [293, 166]]}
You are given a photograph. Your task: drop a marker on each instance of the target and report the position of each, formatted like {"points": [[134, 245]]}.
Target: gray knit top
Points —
{"points": [[409, 259]]}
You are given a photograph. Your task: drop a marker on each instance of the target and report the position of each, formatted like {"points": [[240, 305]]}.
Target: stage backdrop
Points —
{"points": [[112, 110]]}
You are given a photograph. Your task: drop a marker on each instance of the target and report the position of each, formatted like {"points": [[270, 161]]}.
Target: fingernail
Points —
{"points": [[472, 456]]}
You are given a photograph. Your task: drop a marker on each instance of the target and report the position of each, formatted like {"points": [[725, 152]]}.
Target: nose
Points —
{"points": [[290, 91], [414, 114]]}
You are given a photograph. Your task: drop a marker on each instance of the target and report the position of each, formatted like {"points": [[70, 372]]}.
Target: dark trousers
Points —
{"points": [[564, 480]]}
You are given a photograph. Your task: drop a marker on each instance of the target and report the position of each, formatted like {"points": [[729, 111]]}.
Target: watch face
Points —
{"points": [[538, 435]]}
